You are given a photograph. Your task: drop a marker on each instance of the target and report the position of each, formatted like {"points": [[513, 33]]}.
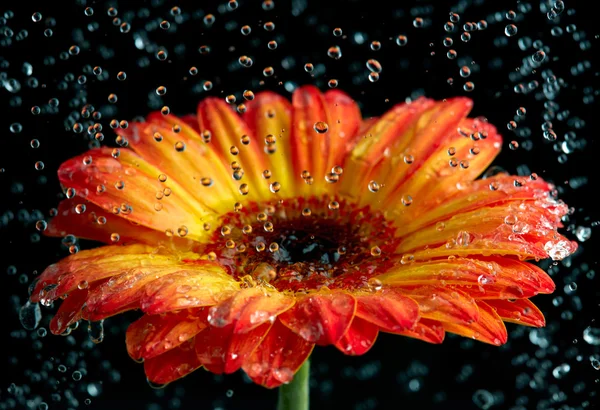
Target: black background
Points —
{"points": [[398, 373]]}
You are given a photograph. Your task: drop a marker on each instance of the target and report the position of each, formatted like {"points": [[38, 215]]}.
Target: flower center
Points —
{"points": [[303, 244]]}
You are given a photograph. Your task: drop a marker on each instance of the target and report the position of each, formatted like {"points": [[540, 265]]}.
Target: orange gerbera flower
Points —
{"points": [[247, 240]]}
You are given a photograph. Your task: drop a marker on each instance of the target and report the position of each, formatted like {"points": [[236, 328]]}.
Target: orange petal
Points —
{"points": [[123, 292], [519, 229], [221, 350], [520, 311], [227, 130], [129, 185], [86, 267], [69, 311], [431, 132], [359, 338], [443, 304], [99, 225], [188, 289], [344, 121], [321, 318], [278, 357], [387, 309], [249, 308], [185, 158], [470, 195], [488, 329], [515, 278], [427, 330], [391, 131], [440, 173], [152, 335], [271, 114], [172, 365], [309, 146]]}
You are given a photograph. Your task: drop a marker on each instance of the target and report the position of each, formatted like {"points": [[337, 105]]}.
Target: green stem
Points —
{"points": [[295, 395]]}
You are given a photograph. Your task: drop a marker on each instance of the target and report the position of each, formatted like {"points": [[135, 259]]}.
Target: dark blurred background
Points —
{"points": [[551, 368]]}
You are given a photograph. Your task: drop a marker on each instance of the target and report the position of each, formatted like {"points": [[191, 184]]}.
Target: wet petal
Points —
{"points": [[227, 130], [488, 329], [427, 330], [69, 312], [99, 225], [321, 318], [188, 289], [392, 131], [185, 158], [359, 338], [520, 311], [124, 292], [152, 335], [221, 350], [270, 114], [249, 308], [443, 304], [172, 365], [278, 357], [86, 267], [388, 309], [524, 229], [514, 278], [129, 185]]}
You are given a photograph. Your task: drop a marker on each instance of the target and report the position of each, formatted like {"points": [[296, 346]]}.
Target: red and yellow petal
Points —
{"points": [[515, 278], [443, 304], [278, 357], [427, 330], [359, 338], [86, 220], [321, 318], [388, 309], [121, 182], [172, 365], [489, 328], [153, 335], [222, 350], [520, 311]]}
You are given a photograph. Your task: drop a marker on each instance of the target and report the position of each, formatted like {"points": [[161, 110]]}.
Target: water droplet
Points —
{"points": [[30, 315]]}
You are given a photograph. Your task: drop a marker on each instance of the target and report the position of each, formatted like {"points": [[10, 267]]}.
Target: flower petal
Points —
{"points": [[391, 131], [443, 304], [321, 318], [278, 357], [359, 338], [185, 158], [440, 172], [221, 350], [227, 129], [515, 278], [188, 289], [249, 308], [429, 331], [431, 132], [488, 329], [152, 335], [470, 195], [124, 292], [86, 267], [99, 225], [520, 311], [521, 229], [69, 312], [271, 114], [172, 365], [387, 309], [129, 185]]}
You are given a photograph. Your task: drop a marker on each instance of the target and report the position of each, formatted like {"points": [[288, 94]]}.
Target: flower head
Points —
{"points": [[248, 239]]}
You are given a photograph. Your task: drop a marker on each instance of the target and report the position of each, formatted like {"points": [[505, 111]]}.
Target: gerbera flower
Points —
{"points": [[246, 240]]}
